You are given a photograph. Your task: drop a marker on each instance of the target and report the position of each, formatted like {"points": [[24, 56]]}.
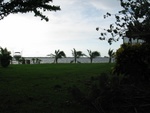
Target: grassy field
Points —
{"points": [[44, 88]]}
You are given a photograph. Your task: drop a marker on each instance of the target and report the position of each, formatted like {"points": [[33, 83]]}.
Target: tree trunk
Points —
{"points": [[109, 59], [91, 60], [75, 59]]}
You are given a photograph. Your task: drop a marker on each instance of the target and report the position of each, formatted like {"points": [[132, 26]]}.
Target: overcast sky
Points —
{"points": [[72, 27]]}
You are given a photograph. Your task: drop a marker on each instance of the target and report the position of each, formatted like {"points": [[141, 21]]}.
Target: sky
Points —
{"points": [[74, 26]]}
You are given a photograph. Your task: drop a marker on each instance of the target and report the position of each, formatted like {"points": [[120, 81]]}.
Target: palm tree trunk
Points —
{"points": [[91, 60], [56, 60], [75, 59], [109, 59]]}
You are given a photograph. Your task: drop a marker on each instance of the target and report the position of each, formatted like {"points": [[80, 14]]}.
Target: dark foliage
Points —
{"points": [[26, 6], [115, 94], [5, 57], [133, 61], [132, 22], [4, 62]]}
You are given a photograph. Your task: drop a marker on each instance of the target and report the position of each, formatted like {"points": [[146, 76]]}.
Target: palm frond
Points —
{"points": [[62, 53], [111, 52], [80, 54], [95, 54], [73, 52], [52, 55]]}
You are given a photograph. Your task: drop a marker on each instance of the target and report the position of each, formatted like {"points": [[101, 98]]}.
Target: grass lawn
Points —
{"points": [[43, 88]]}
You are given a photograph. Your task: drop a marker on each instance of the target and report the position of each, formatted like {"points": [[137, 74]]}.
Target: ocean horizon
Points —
{"points": [[49, 60]]}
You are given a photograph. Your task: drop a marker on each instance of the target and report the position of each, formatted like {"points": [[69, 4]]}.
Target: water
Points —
{"points": [[45, 60]]}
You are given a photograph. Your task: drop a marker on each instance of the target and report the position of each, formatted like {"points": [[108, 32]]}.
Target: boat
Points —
{"points": [[17, 54]]}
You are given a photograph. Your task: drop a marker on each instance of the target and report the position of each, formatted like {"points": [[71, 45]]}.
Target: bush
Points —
{"points": [[133, 61], [111, 94], [5, 57], [5, 62]]}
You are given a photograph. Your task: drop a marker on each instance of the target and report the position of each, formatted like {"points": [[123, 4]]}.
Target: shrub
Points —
{"points": [[133, 61], [112, 94], [5, 57]]}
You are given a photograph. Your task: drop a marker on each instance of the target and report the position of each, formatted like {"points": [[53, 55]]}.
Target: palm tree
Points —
{"points": [[5, 57], [111, 54], [76, 54], [33, 60], [93, 55], [38, 61], [58, 54], [22, 60]]}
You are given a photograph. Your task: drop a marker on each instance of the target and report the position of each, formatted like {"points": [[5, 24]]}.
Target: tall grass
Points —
{"points": [[44, 88]]}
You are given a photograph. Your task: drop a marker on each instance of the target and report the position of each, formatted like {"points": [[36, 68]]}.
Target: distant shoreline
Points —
{"points": [[46, 60]]}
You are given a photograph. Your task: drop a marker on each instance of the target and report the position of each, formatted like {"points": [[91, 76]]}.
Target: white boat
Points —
{"points": [[17, 54]]}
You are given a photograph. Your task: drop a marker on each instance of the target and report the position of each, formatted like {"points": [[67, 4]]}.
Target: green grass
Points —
{"points": [[44, 88]]}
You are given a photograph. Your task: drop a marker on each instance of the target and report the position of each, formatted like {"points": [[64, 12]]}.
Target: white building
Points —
{"points": [[132, 41]]}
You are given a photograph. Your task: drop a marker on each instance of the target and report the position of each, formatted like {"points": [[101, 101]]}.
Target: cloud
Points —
{"points": [[106, 5], [72, 27]]}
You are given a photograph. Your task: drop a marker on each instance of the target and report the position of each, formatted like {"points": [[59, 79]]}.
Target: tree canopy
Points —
{"points": [[25, 6], [76, 55], [93, 54], [5, 57], [131, 22], [57, 55]]}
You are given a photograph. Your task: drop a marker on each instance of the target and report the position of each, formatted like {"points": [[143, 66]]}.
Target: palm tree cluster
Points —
{"points": [[36, 60], [76, 54], [6, 58]]}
